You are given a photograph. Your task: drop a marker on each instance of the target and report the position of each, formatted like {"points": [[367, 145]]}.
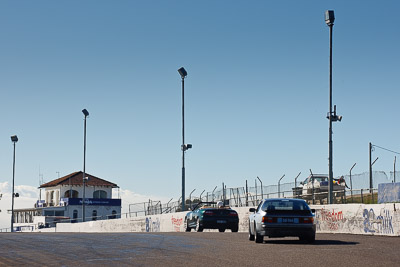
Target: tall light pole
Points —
{"points": [[329, 19], [86, 114], [14, 139], [184, 146]]}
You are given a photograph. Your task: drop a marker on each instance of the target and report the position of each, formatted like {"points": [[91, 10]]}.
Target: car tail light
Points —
{"points": [[233, 214], [307, 220], [268, 219], [208, 213]]}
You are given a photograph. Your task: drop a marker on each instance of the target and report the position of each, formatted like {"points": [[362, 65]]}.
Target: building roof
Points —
{"points": [[76, 178]]}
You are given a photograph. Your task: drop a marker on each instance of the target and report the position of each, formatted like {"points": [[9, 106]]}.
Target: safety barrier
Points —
{"points": [[373, 219]]}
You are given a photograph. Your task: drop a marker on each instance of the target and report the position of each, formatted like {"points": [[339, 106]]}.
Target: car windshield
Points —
{"points": [[316, 178], [284, 204], [204, 205], [321, 179]]}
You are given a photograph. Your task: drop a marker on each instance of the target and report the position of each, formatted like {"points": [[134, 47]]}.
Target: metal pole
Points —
{"points": [[223, 193], [12, 205], [351, 183], [255, 184], [394, 170], [84, 168], [262, 193], [202, 194], [190, 197], [295, 179], [312, 179], [330, 185], [247, 195], [183, 143], [371, 189], [370, 167], [213, 193], [279, 186]]}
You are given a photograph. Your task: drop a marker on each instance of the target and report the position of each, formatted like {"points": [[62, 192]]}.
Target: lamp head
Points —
{"points": [[182, 72], [186, 147], [329, 17], [14, 138], [85, 112]]}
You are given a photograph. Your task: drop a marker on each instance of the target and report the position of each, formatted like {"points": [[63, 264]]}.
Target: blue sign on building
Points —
{"points": [[94, 201]]}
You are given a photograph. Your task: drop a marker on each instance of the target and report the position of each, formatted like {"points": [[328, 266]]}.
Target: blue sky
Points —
{"points": [[256, 94]]}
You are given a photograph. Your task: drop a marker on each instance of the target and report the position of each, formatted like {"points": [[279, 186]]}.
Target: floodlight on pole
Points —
{"points": [[332, 116], [182, 72], [184, 147], [14, 139], [86, 114], [329, 17]]}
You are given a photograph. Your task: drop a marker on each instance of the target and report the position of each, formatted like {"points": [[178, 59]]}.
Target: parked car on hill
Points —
{"points": [[209, 215], [317, 186], [280, 217]]}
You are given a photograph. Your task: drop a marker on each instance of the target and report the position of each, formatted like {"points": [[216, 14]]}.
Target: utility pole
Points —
{"points": [[370, 167]]}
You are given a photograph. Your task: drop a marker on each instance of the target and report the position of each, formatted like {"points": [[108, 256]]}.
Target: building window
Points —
{"points": [[57, 200], [94, 215], [99, 194], [73, 193], [47, 197], [113, 216], [74, 216], [52, 198], [59, 213]]}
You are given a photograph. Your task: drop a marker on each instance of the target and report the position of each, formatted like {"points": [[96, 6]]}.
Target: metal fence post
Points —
{"points": [[362, 199]]}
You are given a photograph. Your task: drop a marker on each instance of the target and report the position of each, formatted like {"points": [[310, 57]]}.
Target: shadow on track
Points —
{"points": [[316, 243]]}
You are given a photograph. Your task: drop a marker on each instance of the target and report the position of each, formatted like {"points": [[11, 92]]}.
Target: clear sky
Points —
{"points": [[256, 94]]}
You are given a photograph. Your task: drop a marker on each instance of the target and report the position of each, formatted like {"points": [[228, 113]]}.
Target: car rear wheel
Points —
{"points": [[235, 229], [187, 228], [221, 230], [308, 238], [251, 236], [258, 238], [199, 228]]}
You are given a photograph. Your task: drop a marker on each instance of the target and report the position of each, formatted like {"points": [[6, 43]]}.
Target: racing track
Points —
{"points": [[196, 249]]}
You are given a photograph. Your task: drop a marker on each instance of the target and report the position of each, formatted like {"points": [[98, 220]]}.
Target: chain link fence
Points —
{"points": [[357, 190]]}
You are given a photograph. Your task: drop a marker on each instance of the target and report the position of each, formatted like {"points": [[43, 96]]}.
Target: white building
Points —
{"points": [[63, 202]]}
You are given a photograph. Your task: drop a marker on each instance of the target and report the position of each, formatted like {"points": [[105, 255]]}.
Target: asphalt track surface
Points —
{"points": [[193, 249]]}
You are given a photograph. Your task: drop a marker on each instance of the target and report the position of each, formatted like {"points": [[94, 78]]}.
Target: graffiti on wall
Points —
{"points": [[176, 223], [152, 225], [381, 224], [331, 219]]}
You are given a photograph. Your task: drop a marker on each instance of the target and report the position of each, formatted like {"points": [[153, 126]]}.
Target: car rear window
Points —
{"points": [[285, 204]]}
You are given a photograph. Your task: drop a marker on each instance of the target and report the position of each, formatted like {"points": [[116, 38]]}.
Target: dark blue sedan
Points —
{"points": [[207, 215]]}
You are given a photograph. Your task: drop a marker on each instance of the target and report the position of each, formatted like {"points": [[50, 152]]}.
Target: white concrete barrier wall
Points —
{"points": [[375, 219], [170, 222], [378, 219]]}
